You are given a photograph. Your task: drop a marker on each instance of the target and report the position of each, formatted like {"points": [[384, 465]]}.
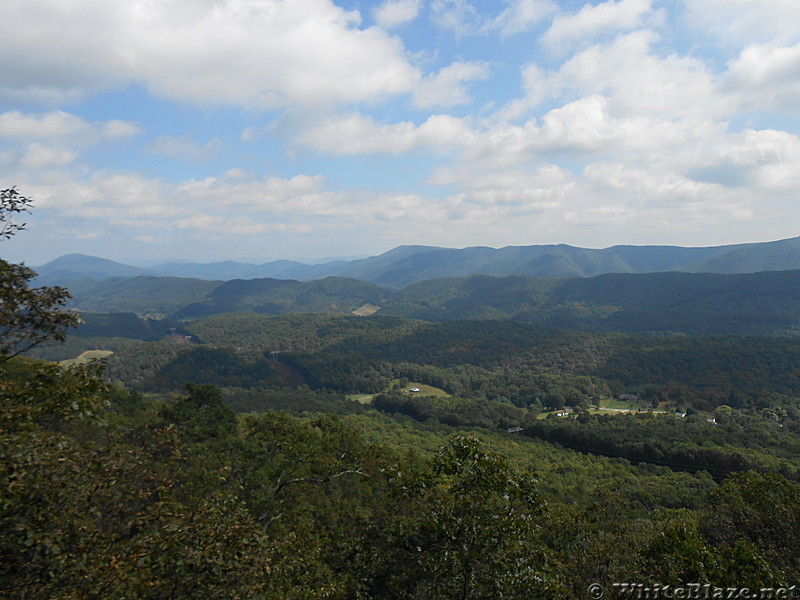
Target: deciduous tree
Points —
{"points": [[28, 316]]}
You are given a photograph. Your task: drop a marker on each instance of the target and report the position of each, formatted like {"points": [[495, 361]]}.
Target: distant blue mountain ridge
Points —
{"points": [[405, 265]]}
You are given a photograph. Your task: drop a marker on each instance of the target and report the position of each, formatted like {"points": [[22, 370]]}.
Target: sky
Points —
{"points": [[210, 130]]}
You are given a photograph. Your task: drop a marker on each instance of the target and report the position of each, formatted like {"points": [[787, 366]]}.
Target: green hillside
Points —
{"points": [[144, 295], [276, 296], [698, 304]]}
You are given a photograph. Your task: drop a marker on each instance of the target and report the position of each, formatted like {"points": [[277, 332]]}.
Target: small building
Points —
{"points": [[629, 397], [514, 429], [415, 389]]}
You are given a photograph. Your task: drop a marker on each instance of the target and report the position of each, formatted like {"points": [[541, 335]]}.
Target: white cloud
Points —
{"points": [[593, 20], [396, 12], [766, 77], [225, 227], [609, 202], [36, 142], [118, 129], [356, 134], [37, 156], [741, 22], [637, 81], [521, 15], [460, 16], [221, 209], [766, 160], [446, 88], [62, 125], [262, 53]]}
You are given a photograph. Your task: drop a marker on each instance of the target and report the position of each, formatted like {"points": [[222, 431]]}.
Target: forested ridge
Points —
{"points": [[765, 303]]}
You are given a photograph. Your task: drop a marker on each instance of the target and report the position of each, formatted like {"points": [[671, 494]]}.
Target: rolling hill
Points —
{"points": [[276, 296], [144, 295], [74, 267]]}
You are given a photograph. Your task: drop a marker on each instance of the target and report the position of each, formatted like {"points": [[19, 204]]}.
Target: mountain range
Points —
{"points": [[405, 265]]}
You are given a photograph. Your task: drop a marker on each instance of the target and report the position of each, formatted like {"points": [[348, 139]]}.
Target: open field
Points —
{"points": [[610, 406], [362, 398], [85, 357], [424, 390], [614, 404]]}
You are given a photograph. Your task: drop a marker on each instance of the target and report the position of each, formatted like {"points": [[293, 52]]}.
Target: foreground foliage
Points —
{"points": [[105, 494]]}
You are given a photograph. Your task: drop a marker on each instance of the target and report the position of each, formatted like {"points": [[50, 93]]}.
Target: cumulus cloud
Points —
{"points": [[62, 125], [635, 79], [262, 53], [36, 156], [447, 88], [766, 77], [768, 160], [37, 141], [593, 20], [393, 13]]}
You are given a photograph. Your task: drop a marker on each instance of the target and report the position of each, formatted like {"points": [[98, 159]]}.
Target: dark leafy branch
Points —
{"points": [[12, 203]]}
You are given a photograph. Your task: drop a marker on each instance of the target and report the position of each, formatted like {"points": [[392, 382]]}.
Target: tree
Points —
{"points": [[12, 203], [465, 529], [202, 415], [762, 509], [28, 316]]}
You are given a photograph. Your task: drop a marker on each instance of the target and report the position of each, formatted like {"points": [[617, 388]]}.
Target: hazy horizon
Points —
{"points": [[148, 263]]}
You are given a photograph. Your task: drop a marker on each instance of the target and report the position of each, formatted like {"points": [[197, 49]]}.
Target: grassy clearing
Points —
{"points": [[611, 406], [85, 357], [424, 390], [614, 404], [362, 398]]}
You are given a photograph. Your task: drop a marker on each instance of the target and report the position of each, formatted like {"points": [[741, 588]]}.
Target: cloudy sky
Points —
{"points": [[230, 129]]}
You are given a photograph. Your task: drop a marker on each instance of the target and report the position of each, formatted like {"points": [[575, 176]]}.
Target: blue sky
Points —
{"points": [[230, 129]]}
